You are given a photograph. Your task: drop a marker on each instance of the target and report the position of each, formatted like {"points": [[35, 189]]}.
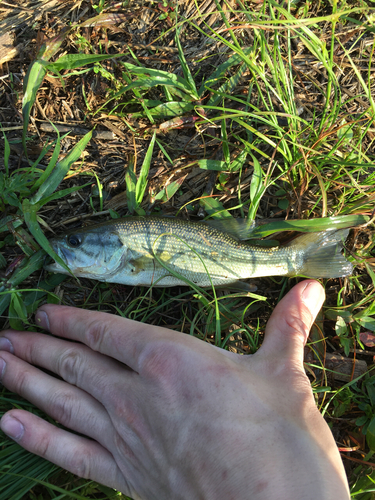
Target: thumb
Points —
{"points": [[289, 325]]}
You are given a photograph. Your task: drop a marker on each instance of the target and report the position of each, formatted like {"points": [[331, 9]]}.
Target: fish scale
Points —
{"points": [[194, 248], [167, 251]]}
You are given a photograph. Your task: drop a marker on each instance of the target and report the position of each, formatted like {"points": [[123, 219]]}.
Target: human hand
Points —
{"points": [[168, 416]]}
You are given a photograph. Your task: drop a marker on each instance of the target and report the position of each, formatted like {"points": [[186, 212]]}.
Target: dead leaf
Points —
{"points": [[367, 338], [7, 51]]}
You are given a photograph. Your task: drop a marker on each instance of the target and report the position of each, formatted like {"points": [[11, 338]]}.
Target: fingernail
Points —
{"points": [[313, 296], [6, 345], [2, 367], [12, 427], [41, 319]]}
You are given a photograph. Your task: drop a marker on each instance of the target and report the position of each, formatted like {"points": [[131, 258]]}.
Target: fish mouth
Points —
{"points": [[66, 255], [54, 267]]}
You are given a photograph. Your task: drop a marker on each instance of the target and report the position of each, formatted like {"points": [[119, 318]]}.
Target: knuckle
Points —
{"points": [[161, 360], [22, 383], [297, 326], [30, 351], [96, 334], [61, 405], [42, 446], [69, 364], [80, 463]]}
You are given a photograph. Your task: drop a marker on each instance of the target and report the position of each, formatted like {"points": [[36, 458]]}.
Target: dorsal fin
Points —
{"points": [[240, 229]]}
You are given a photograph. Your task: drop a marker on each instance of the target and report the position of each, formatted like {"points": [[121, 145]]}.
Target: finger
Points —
{"points": [[289, 325], [120, 338], [69, 405], [77, 454], [77, 364]]}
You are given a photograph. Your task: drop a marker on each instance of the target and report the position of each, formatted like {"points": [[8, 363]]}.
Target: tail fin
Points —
{"points": [[321, 254]]}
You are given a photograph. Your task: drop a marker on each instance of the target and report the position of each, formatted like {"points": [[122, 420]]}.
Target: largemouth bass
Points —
{"points": [[165, 251]]}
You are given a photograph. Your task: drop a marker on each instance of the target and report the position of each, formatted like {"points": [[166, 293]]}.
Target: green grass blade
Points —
{"points": [[140, 99], [30, 213], [224, 139], [66, 493], [142, 179], [29, 266], [131, 182], [173, 187], [3, 261], [257, 188], [26, 243], [17, 314], [15, 459], [228, 86], [221, 70], [167, 109], [310, 226], [185, 68], [164, 151], [366, 89], [60, 194], [226, 21], [33, 79], [239, 161], [4, 304], [61, 169], [214, 208], [6, 153], [51, 164], [166, 193], [43, 153], [212, 165], [262, 136], [149, 74], [146, 83], [73, 61], [149, 78], [9, 222]]}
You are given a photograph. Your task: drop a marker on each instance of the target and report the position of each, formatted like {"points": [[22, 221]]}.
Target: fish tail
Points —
{"points": [[322, 257]]}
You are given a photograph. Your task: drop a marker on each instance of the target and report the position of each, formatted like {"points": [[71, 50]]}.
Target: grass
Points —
{"points": [[261, 113]]}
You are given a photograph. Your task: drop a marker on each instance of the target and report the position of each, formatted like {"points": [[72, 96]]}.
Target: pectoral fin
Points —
{"points": [[141, 264], [147, 262]]}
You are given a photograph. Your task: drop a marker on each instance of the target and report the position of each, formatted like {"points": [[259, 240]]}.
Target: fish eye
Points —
{"points": [[74, 240]]}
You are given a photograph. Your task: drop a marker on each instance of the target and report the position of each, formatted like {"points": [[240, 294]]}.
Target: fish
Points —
{"points": [[166, 252]]}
